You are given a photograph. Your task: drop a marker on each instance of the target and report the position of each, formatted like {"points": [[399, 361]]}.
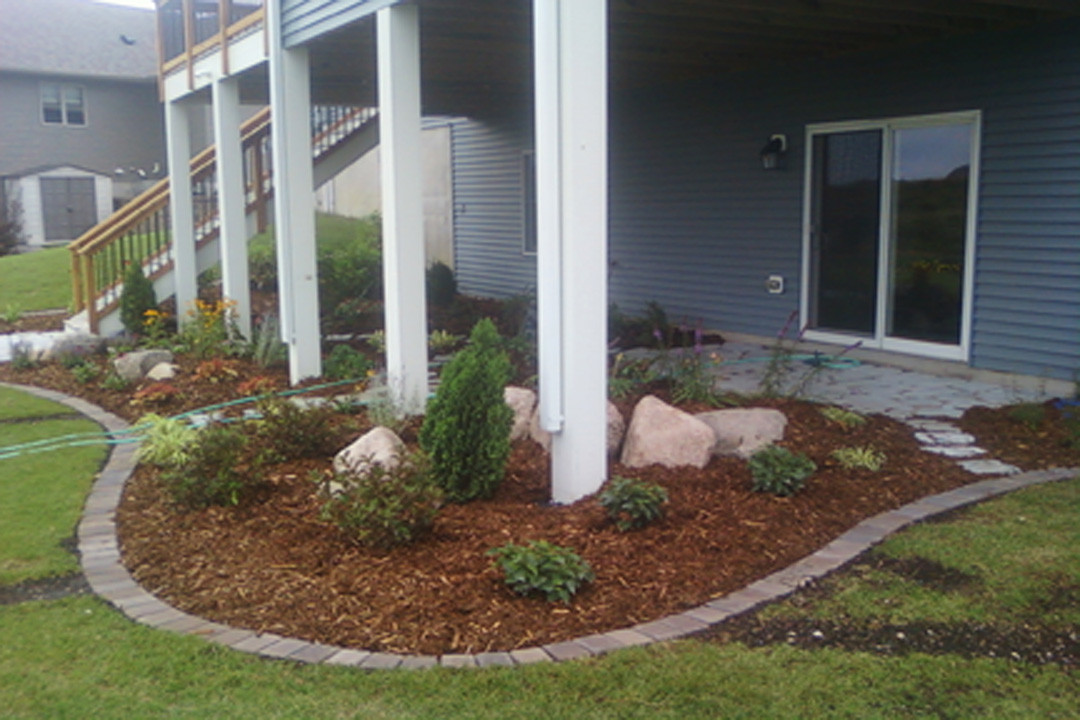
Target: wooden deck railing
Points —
{"points": [[140, 230]]}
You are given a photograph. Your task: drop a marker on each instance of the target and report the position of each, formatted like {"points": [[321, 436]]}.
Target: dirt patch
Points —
{"points": [[928, 573], [42, 321], [52, 588], [1053, 442], [1025, 643]]}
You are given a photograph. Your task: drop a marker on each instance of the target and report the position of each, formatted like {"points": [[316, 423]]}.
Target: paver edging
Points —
{"points": [[114, 584]]}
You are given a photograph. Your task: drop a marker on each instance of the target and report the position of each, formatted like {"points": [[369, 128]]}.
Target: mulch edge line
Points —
{"points": [[99, 553]]}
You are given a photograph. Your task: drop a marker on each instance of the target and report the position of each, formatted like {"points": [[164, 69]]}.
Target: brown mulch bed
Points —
{"points": [[274, 565], [43, 321], [1052, 442]]}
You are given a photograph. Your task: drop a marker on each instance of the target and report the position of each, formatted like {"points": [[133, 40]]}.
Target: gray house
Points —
{"points": [[905, 175], [926, 199], [81, 126]]}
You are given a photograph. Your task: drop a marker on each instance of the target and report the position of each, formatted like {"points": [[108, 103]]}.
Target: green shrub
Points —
{"points": [[541, 567], [136, 297], [115, 382], [626, 377], [633, 503], [1030, 414], [214, 472], [348, 271], [779, 471], [85, 372], [167, 441], [467, 428], [385, 508], [288, 431], [844, 418], [859, 458], [441, 285], [345, 363]]}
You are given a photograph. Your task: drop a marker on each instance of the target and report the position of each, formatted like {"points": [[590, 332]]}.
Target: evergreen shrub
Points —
{"points": [[136, 298], [467, 429]]}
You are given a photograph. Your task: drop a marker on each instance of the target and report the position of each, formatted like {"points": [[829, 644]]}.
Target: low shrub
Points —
{"points": [[859, 458], [467, 428], [441, 341], [542, 568], [385, 508], [266, 346], [345, 363], [844, 418], [157, 393], [84, 372], [214, 473], [167, 442], [627, 376], [633, 503], [114, 382], [779, 471], [215, 370], [287, 431]]}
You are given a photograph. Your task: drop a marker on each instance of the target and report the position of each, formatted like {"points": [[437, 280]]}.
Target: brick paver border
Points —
{"points": [[100, 557]]}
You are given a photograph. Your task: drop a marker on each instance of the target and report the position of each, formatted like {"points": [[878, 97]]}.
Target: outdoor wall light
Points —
{"points": [[772, 155]]}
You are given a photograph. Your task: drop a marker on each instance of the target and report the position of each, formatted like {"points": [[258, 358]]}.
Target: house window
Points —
{"points": [[528, 202], [63, 104]]}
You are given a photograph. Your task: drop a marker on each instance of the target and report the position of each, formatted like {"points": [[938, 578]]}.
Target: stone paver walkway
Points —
{"points": [[918, 399]]}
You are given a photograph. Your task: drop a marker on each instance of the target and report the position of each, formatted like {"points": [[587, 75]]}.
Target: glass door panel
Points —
{"points": [[929, 207], [845, 230]]}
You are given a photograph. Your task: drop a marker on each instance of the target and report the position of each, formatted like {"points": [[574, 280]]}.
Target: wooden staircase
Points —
{"points": [[140, 230]]}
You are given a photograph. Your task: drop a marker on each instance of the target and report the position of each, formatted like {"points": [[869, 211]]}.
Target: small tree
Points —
{"points": [[11, 228], [467, 429], [136, 298]]}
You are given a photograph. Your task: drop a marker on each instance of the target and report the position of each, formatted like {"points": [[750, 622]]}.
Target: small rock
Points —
{"points": [[989, 467], [522, 401], [163, 371], [744, 431], [663, 435]]}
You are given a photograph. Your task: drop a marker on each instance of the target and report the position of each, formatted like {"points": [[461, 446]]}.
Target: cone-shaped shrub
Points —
{"points": [[467, 429], [136, 298]]}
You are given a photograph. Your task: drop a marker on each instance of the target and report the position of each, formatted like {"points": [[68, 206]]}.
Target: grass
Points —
{"points": [[41, 495], [1021, 552], [77, 657], [36, 281]]}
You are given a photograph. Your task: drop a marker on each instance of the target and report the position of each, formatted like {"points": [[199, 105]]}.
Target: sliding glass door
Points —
{"points": [[888, 233]]}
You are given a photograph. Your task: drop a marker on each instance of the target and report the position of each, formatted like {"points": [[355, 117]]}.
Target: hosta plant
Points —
{"points": [[633, 503], [542, 568], [779, 471], [167, 442], [844, 418], [859, 458]]}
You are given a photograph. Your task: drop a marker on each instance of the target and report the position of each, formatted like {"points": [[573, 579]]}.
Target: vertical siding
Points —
{"points": [[697, 225], [488, 210]]}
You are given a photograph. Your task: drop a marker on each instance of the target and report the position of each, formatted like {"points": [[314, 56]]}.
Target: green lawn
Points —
{"points": [[41, 495], [36, 281], [79, 658]]}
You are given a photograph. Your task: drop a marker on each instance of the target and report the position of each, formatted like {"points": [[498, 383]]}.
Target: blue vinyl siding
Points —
{"points": [[489, 220], [304, 20], [697, 225]]}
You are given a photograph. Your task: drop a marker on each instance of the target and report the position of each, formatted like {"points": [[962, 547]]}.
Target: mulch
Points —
{"points": [[273, 564]]}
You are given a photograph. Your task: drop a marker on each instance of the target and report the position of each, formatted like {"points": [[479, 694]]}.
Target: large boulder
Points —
{"points": [[744, 431], [660, 434], [73, 344], [616, 429], [379, 446], [134, 365], [522, 401]]}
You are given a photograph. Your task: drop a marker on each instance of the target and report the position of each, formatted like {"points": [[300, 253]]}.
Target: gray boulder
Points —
{"points": [[134, 365], [660, 434], [744, 431], [379, 446], [78, 344]]}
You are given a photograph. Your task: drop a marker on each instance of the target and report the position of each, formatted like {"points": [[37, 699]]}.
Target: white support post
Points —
{"points": [[294, 201], [572, 232], [181, 206], [398, 40], [232, 201]]}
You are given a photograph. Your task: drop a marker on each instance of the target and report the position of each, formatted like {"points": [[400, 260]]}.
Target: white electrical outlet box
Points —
{"points": [[774, 284]]}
